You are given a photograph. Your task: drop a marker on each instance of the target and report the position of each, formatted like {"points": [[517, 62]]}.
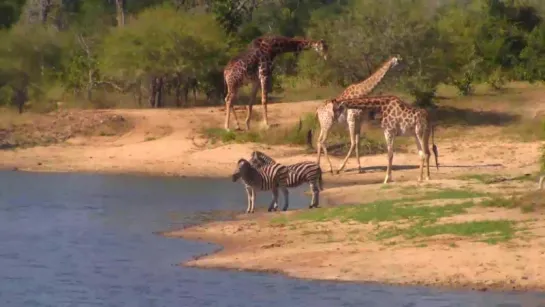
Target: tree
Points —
{"points": [[145, 50], [30, 58]]}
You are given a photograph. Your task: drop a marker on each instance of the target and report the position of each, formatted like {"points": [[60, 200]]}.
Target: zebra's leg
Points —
{"points": [[286, 198], [274, 200], [249, 196]]}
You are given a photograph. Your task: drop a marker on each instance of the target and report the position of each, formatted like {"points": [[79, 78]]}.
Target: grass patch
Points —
{"points": [[527, 202], [34, 129], [414, 218], [484, 178], [453, 194], [385, 210], [486, 231], [395, 209]]}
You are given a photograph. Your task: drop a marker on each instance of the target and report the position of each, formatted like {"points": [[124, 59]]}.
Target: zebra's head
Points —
{"points": [[242, 165], [256, 158]]}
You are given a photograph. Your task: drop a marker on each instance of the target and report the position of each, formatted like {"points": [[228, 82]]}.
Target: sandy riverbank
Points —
{"points": [[348, 250], [163, 142]]}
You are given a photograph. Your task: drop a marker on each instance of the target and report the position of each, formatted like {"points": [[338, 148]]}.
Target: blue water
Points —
{"points": [[88, 240]]}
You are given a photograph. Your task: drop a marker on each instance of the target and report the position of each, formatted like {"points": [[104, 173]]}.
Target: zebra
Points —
{"points": [[270, 177], [298, 174]]}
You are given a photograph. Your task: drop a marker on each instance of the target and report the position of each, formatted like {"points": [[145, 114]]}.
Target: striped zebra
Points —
{"points": [[269, 178], [298, 174]]}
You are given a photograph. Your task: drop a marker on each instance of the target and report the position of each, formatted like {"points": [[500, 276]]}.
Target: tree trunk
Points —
{"points": [[120, 10], [160, 83], [90, 85], [139, 92], [153, 92]]}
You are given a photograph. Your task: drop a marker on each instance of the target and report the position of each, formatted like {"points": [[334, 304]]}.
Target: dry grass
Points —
{"points": [[33, 129]]}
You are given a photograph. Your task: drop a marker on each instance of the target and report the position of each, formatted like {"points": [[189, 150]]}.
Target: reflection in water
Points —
{"points": [[87, 240]]}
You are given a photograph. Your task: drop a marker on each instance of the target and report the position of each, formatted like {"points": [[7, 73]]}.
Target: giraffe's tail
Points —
{"points": [[309, 133], [320, 180], [434, 147]]}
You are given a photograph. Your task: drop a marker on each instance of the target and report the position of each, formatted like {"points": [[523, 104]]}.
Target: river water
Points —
{"points": [[88, 240]]}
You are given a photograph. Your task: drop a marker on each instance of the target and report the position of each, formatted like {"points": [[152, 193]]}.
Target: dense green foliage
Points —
{"points": [[88, 50]]}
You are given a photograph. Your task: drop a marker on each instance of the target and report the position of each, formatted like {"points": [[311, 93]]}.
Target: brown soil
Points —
{"points": [[168, 142]]}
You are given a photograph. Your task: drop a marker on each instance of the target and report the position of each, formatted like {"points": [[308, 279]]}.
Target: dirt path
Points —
{"points": [[165, 142]]}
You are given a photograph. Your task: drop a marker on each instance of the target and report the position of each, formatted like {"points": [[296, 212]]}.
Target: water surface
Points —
{"points": [[88, 240]]}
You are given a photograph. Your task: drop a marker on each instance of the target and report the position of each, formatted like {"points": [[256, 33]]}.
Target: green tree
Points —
{"points": [[30, 61], [182, 43]]}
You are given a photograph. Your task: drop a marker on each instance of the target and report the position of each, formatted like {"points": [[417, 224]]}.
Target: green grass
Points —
{"points": [[414, 218], [526, 202], [484, 178], [486, 231], [491, 178], [391, 210]]}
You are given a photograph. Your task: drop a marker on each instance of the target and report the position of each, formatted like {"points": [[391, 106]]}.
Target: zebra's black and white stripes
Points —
{"points": [[267, 178], [298, 173]]}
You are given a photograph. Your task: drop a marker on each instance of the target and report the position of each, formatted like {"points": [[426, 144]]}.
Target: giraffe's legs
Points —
{"points": [[255, 87], [389, 137], [321, 144], [354, 131], [264, 78], [229, 99], [541, 178], [427, 153], [419, 146]]}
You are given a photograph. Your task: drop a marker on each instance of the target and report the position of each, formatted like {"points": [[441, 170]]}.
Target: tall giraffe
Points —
{"points": [[254, 66], [326, 116], [398, 119]]}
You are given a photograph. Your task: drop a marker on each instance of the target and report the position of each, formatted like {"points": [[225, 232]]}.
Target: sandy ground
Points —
{"points": [[341, 251], [164, 142]]}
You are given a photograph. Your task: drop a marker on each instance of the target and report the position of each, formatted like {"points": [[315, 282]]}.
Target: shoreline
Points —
{"points": [[231, 251]]}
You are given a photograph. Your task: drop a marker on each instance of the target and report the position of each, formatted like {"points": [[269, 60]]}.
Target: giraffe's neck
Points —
{"points": [[366, 86], [289, 45]]}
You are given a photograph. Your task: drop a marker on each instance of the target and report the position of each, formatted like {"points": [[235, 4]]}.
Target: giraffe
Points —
{"points": [[353, 116], [398, 118], [254, 66]]}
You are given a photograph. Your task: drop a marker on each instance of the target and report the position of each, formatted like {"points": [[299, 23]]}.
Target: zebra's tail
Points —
{"points": [[320, 180]]}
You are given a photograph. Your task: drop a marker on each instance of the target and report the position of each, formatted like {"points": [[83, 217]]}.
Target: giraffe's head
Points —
{"points": [[320, 47], [396, 60]]}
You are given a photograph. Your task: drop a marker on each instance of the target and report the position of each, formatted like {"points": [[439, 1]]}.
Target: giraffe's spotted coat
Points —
{"points": [[327, 117], [398, 118], [254, 65]]}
